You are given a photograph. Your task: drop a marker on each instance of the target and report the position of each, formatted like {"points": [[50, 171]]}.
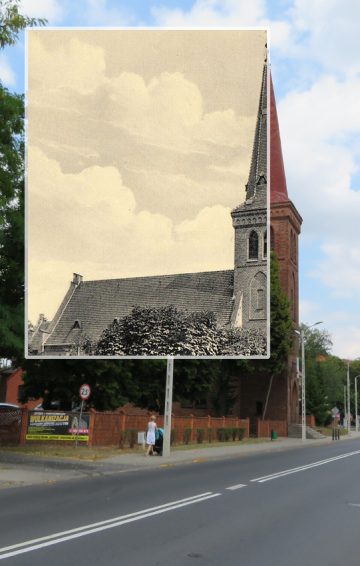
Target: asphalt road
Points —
{"points": [[282, 509]]}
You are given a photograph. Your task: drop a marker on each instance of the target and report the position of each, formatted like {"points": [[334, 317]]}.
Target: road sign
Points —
{"points": [[334, 412], [85, 391]]}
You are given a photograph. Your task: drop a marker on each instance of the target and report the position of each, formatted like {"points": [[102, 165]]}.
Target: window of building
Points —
{"points": [[259, 408], [260, 299], [265, 244], [253, 245], [272, 239]]}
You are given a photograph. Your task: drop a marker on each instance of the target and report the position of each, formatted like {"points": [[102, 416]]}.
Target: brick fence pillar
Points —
{"points": [[91, 426], [23, 425]]}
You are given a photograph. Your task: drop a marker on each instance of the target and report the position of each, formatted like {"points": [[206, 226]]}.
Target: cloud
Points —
{"points": [[90, 223], [7, 75], [73, 65], [319, 129], [52, 10], [158, 131], [326, 34]]}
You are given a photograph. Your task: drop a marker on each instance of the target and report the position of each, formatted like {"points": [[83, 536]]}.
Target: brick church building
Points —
{"points": [[276, 397], [238, 296]]}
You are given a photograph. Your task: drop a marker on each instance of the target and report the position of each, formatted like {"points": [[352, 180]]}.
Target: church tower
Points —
{"points": [[285, 226], [250, 225]]}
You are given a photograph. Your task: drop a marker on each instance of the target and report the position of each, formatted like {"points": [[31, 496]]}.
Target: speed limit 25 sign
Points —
{"points": [[85, 391]]}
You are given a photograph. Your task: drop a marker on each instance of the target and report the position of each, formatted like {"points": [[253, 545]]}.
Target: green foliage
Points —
{"points": [[12, 195], [281, 326], [200, 435], [187, 435], [12, 22], [168, 331], [11, 225]]}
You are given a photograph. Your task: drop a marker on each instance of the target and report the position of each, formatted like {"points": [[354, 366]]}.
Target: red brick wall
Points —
{"points": [[12, 384], [108, 427], [264, 428]]}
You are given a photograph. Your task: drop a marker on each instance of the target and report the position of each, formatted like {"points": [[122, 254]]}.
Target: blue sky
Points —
{"points": [[315, 64]]}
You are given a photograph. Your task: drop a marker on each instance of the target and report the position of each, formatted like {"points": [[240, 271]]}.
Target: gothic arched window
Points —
{"points": [[272, 239], [265, 244], [253, 245]]}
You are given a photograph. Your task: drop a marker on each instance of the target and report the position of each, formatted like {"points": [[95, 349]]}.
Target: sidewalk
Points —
{"points": [[20, 470]]}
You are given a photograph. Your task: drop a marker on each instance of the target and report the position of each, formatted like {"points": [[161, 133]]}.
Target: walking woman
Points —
{"points": [[150, 436]]}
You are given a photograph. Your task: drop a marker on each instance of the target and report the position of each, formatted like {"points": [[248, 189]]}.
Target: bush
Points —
{"points": [[200, 435], [173, 436], [234, 433], [187, 435], [129, 437], [241, 433], [224, 434]]}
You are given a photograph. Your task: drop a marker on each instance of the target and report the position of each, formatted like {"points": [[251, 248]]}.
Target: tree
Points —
{"points": [[317, 351], [12, 22], [11, 224], [12, 195]]}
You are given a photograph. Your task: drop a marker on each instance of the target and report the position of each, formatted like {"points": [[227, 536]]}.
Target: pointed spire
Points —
{"points": [[278, 190], [258, 167]]}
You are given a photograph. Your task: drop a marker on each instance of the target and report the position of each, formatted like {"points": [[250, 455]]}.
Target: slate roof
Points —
{"points": [[36, 340], [258, 165], [95, 304]]}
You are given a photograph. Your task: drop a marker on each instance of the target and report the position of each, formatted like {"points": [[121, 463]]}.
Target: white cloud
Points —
{"points": [[89, 223], [7, 75], [328, 33], [74, 65], [51, 10], [318, 129]]}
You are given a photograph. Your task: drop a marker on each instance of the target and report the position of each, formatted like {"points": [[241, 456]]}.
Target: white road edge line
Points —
{"points": [[276, 475], [57, 538], [238, 486]]}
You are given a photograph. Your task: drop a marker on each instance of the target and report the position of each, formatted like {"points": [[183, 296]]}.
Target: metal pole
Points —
{"points": [[356, 406], [303, 387], [344, 406], [348, 397], [168, 406], [79, 421]]}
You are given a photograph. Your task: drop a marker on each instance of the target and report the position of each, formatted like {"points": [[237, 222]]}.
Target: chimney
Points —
{"points": [[77, 279]]}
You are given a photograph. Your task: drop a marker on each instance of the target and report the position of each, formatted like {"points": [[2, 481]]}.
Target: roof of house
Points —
{"points": [[37, 337], [95, 304]]}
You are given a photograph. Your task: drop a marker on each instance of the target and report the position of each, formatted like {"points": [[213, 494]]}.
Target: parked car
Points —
{"points": [[10, 414]]}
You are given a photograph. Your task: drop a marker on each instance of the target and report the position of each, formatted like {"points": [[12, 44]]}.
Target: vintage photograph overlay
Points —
{"points": [[146, 202]]}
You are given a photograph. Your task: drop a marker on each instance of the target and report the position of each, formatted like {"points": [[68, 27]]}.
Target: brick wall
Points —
{"points": [[264, 428], [107, 428]]}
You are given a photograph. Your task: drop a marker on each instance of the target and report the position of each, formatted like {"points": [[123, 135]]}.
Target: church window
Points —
{"points": [[260, 299], [265, 244], [253, 245], [272, 239]]}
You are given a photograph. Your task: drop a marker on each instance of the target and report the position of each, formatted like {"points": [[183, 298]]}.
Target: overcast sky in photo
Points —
{"points": [[139, 147], [315, 66]]}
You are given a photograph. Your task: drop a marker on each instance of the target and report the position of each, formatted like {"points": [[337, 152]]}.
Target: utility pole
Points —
{"points": [[356, 405], [348, 398], [168, 406]]}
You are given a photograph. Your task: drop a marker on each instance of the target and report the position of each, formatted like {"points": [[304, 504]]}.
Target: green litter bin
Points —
{"points": [[273, 435]]}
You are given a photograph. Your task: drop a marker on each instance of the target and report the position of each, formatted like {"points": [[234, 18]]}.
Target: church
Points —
{"points": [[238, 297]]}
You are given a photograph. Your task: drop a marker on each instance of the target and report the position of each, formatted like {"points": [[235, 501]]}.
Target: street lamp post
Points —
{"points": [[303, 381], [356, 405], [348, 399]]}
